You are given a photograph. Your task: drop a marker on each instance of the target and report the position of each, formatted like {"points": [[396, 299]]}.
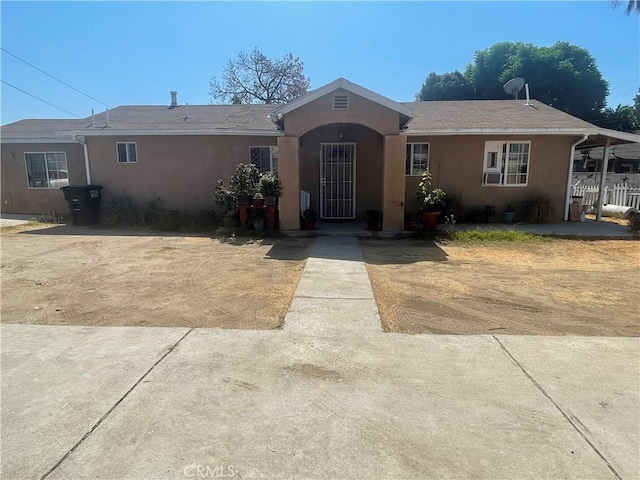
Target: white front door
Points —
{"points": [[337, 180]]}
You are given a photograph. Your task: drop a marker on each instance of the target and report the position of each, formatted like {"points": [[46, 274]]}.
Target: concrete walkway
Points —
{"points": [[329, 397], [334, 295]]}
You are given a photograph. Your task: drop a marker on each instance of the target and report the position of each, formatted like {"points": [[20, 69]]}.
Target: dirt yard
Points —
{"points": [[560, 287], [109, 278]]}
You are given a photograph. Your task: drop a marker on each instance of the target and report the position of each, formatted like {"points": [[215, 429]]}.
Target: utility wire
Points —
{"points": [[57, 79], [38, 98]]}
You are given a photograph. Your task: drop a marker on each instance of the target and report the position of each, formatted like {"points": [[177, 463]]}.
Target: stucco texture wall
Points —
{"points": [[182, 170], [16, 195], [361, 111], [456, 163]]}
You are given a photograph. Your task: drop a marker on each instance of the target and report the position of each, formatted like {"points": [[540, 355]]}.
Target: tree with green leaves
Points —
{"points": [[622, 118], [254, 78], [564, 76], [449, 86]]}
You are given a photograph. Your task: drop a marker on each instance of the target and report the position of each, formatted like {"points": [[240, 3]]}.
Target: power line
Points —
{"points": [[56, 79], [38, 98], [623, 84]]}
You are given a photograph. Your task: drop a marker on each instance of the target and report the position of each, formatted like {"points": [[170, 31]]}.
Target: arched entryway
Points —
{"points": [[341, 167]]}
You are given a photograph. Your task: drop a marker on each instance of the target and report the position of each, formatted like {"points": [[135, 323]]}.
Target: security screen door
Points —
{"points": [[337, 180]]}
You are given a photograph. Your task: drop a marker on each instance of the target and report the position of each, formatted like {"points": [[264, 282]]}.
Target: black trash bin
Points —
{"points": [[84, 203]]}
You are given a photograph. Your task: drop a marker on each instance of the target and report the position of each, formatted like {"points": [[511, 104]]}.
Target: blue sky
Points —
{"points": [[133, 53]]}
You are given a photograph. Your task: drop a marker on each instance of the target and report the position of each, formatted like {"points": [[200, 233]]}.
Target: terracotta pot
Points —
{"points": [[412, 225], [258, 202], [430, 220], [309, 225], [373, 225]]}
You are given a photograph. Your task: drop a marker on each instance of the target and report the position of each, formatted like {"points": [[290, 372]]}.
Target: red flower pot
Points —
{"points": [[373, 225], [430, 220], [258, 202], [309, 225]]}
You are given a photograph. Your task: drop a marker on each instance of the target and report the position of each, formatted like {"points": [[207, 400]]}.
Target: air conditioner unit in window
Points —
{"points": [[493, 178]]}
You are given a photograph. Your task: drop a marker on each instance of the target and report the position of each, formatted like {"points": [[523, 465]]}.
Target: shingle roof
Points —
{"points": [[39, 128], [429, 117], [153, 118], [489, 115]]}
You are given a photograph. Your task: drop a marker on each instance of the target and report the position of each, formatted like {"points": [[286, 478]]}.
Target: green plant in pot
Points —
{"points": [[244, 182], [309, 218], [225, 199], [270, 187], [373, 219], [430, 202]]}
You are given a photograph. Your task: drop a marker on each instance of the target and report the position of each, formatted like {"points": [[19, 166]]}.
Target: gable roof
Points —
{"points": [[341, 83]]}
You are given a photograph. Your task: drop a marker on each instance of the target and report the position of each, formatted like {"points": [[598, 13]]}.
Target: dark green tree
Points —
{"points": [[449, 86], [622, 118], [564, 76]]}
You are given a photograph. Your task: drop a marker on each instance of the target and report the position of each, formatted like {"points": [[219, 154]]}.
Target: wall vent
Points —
{"points": [[340, 102]]}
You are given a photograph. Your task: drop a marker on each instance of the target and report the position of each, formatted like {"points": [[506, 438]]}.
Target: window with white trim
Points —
{"points": [[47, 169], [265, 158], [417, 158], [127, 152], [506, 163]]}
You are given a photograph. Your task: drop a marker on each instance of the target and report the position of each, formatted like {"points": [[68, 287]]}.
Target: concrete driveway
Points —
{"points": [[330, 396], [127, 402]]}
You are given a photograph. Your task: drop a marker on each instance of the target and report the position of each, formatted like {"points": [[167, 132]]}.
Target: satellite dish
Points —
{"points": [[513, 86]]}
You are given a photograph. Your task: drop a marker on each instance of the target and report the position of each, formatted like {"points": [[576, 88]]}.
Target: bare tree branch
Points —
{"points": [[254, 78]]}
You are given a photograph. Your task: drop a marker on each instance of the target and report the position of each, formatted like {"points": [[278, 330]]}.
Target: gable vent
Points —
{"points": [[340, 102]]}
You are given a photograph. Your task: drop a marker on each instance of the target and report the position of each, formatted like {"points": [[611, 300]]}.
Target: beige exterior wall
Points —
{"points": [[361, 111], [394, 182], [457, 162], [16, 195], [182, 170], [289, 174]]}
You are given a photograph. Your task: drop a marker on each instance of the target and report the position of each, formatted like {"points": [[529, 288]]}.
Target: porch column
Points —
{"points": [[603, 178], [289, 174], [395, 147]]}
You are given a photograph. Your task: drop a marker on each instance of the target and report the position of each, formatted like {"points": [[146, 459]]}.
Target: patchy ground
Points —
{"points": [[73, 276], [559, 287]]}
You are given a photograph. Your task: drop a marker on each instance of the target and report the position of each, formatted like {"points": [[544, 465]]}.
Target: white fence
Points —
{"points": [[618, 194]]}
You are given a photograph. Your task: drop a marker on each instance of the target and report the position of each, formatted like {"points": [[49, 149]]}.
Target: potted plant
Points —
{"points": [[309, 218], [410, 222], [258, 200], [509, 214], [373, 219], [430, 202], [244, 182], [270, 188]]}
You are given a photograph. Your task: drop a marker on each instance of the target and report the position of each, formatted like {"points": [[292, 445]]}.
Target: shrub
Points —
{"points": [[270, 185], [475, 214], [535, 208], [453, 206]]}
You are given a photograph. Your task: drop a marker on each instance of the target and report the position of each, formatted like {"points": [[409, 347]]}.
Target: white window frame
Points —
{"points": [[273, 153], [411, 160], [499, 170], [126, 148], [46, 166]]}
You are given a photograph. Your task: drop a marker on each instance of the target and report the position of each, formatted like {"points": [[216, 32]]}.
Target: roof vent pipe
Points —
{"points": [[92, 118], [526, 89], [108, 119], [174, 99], [187, 105]]}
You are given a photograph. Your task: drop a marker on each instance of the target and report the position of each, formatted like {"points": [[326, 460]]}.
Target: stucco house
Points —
{"points": [[350, 148]]}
